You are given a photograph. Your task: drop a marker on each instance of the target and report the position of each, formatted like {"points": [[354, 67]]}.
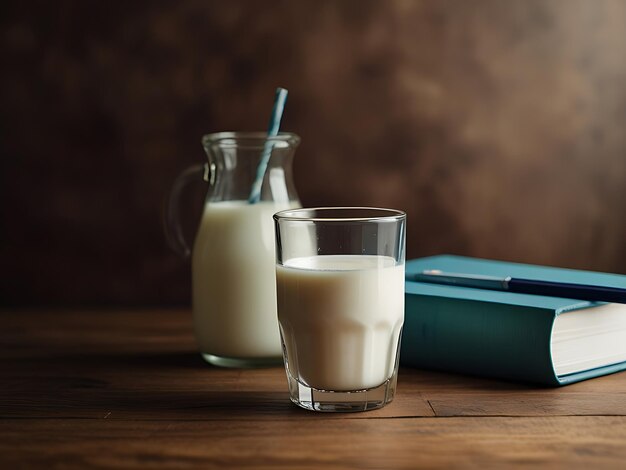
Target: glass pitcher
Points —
{"points": [[233, 256]]}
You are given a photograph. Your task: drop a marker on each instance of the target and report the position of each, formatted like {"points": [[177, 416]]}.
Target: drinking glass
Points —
{"points": [[340, 293]]}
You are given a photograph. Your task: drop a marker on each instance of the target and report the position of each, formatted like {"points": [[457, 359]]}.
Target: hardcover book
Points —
{"points": [[548, 340]]}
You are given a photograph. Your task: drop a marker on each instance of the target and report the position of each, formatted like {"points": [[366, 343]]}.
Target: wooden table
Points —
{"points": [[127, 389]]}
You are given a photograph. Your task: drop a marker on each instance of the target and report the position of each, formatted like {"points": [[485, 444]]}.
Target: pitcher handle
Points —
{"points": [[173, 229]]}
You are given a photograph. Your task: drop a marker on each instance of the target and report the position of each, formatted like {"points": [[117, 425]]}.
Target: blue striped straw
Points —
{"points": [[272, 131]]}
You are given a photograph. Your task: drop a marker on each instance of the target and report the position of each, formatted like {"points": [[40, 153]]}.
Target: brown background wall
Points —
{"points": [[498, 126]]}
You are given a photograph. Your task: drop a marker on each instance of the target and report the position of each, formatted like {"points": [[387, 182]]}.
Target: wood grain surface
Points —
{"points": [[127, 389]]}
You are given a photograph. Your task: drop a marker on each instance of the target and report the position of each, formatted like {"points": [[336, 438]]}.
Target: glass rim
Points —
{"points": [[219, 137], [293, 215]]}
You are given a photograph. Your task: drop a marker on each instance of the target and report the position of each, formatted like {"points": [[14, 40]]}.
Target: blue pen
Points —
{"points": [[523, 286]]}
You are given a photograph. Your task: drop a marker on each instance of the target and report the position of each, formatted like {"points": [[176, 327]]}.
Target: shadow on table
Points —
{"points": [[129, 385], [179, 360], [182, 386]]}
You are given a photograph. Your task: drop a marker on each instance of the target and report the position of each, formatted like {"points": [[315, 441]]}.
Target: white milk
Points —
{"points": [[233, 280], [340, 318]]}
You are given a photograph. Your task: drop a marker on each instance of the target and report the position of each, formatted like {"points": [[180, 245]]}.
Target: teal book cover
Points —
{"points": [[496, 333]]}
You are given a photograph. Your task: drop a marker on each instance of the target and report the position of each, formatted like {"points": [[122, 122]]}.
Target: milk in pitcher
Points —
{"points": [[233, 280]]}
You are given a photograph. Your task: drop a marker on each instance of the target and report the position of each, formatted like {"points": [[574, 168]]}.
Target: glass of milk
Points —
{"points": [[233, 258], [340, 288]]}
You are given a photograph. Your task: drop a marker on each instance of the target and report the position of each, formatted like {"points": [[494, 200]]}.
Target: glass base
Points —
{"points": [[242, 362], [313, 399]]}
